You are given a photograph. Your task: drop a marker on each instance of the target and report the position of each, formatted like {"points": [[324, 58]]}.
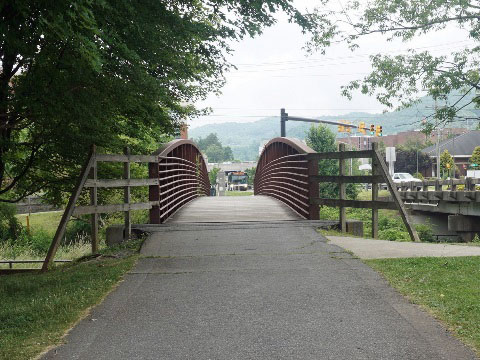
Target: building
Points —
{"points": [[460, 147], [364, 142]]}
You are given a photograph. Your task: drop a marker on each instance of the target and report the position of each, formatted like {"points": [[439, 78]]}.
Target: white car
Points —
{"points": [[399, 178]]}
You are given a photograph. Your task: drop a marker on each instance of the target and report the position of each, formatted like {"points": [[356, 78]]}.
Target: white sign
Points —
{"points": [[390, 154], [391, 158]]}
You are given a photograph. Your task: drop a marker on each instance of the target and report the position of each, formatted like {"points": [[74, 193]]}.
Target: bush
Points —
{"points": [[10, 227], [77, 231], [425, 232], [393, 235], [39, 242], [418, 175]]}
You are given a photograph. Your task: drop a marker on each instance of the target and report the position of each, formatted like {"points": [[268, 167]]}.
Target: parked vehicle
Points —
{"points": [[399, 178], [473, 174], [237, 181]]}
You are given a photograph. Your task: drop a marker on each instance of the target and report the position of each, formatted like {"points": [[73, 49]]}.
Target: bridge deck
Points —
{"points": [[234, 209]]}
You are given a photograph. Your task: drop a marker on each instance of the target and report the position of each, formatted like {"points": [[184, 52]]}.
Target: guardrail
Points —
{"points": [[288, 170], [420, 191]]}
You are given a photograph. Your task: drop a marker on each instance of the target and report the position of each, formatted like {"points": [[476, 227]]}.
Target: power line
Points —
{"points": [[458, 43]]}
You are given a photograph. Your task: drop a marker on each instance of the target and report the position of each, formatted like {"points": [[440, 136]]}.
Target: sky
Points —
{"points": [[274, 71]]}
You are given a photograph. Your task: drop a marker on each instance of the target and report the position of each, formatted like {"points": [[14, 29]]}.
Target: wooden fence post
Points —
{"points": [[126, 196], [93, 201], [342, 189], [375, 171], [313, 209]]}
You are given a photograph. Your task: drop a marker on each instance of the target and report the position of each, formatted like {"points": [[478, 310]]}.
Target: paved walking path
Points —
{"points": [[258, 290], [379, 249]]}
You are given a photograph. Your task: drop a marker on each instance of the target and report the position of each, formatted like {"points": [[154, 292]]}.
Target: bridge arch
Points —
{"points": [[182, 176], [282, 172]]}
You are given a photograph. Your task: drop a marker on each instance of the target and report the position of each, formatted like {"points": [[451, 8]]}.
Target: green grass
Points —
{"points": [[239, 193], [448, 287], [37, 309], [46, 221]]}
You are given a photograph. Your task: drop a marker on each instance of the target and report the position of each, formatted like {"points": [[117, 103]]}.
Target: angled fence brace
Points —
{"points": [[382, 168], [69, 210]]}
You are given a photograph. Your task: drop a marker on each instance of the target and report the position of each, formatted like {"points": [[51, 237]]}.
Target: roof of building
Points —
{"points": [[462, 144]]}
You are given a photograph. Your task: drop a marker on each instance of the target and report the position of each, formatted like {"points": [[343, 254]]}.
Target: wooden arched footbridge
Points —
{"points": [[285, 188]]}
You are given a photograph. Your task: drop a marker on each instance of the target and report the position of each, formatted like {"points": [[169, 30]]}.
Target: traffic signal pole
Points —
{"points": [[284, 118]]}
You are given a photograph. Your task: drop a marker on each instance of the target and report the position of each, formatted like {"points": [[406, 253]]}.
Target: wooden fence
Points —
{"points": [[288, 171], [159, 182]]}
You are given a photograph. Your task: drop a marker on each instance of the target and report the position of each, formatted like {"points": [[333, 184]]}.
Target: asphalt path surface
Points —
{"points": [[273, 290]]}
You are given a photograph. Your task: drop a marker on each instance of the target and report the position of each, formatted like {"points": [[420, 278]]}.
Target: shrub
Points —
{"points": [[77, 231], [418, 175], [425, 232], [10, 227], [39, 242], [393, 235]]}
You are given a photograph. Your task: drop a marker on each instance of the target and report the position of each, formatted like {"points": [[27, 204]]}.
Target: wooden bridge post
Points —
{"points": [[314, 209], [93, 201], [154, 193], [375, 171], [126, 196], [342, 189]]}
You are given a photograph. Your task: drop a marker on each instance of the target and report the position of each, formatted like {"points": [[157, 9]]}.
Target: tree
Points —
{"points": [[446, 163], [214, 149], [227, 154], [212, 175], [406, 160], [321, 139], [214, 153], [111, 73], [475, 159], [210, 139], [251, 174], [400, 78]]}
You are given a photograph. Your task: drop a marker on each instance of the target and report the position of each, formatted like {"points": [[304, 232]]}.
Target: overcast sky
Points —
{"points": [[274, 72]]}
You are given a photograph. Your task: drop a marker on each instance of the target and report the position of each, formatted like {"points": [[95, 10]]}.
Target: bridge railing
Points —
{"points": [[288, 170], [183, 176], [457, 190], [283, 172]]}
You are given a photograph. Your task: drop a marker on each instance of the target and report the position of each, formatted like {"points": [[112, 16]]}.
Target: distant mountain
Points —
{"points": [[245, 138]]}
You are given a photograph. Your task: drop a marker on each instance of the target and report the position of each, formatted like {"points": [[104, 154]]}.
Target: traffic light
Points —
{"points": [[341, 128], [379, 130], [348, 129], [372, 129], [361, 127]]}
